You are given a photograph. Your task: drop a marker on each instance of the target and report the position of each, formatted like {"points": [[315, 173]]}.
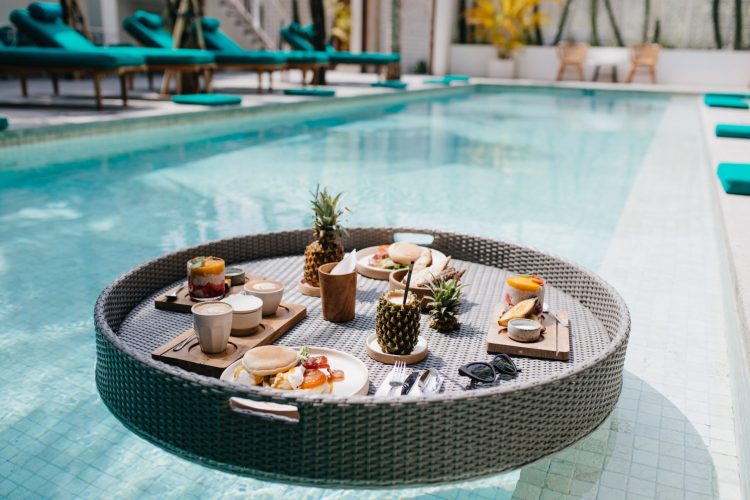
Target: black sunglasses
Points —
{"points": [[487, 372]]}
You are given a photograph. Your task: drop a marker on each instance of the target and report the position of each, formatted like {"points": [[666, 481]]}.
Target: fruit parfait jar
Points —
{"points": [[396, 323], [205, 278], [523, 286]]}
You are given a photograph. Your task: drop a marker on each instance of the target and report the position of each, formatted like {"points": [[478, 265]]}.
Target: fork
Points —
{"points": [[398, 374]]}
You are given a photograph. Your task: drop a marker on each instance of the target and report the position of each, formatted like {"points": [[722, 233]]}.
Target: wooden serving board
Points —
{"points": [[499, 341], [192, 358], [183, 303]]}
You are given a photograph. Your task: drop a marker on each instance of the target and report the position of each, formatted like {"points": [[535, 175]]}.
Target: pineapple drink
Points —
{"points": [[396, 324], [205, 278]]}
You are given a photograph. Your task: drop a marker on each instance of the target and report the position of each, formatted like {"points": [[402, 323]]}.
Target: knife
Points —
{"points": [[409, 382]]}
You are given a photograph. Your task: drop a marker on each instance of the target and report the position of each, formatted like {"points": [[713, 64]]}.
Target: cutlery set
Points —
{"points": [[417, 383]]}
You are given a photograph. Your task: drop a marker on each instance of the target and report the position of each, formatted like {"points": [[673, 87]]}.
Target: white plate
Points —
{"points": [[376, 353], [356, 377], [378, 273]]}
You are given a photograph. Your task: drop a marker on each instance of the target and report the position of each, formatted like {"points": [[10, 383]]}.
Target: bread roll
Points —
{"points": [[404, 253], [269, 360]]}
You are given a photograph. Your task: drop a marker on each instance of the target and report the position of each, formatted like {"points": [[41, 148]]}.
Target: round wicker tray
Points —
{"points": [[361, 440]]}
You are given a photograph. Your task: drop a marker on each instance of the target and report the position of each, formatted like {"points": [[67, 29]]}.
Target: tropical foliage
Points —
{"points": [[506, 24]]}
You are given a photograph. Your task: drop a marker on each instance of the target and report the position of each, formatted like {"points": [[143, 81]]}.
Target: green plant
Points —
{"points": [[561, 23], [445, 301], [504, 23]]}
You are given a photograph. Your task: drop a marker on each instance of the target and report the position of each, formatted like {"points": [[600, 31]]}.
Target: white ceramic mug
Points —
{"points": [[246, 313], [212, 322], [269, 291]]}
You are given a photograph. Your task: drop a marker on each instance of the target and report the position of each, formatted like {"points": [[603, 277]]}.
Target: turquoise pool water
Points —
{"points": [[551, 169]]}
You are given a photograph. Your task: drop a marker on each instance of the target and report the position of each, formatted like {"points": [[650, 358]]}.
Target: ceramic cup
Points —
{"points": [[524, 330], [246, 313], [338, 293], [212, 322], [269, 291]]}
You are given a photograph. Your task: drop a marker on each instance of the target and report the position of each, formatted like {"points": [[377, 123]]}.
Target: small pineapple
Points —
{"points": [[445, 301], [327, 229], [396, 324]]}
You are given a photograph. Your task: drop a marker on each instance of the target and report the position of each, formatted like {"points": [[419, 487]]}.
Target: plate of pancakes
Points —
{"points": [[282, 368], [397, 256]]}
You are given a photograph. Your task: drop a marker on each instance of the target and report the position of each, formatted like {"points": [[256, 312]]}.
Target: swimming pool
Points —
{"points": [[550, 169]]}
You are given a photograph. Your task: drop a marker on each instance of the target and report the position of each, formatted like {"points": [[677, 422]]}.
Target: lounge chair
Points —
{"points": [[301, 38], [229, 55], [42, 23], [571, 54], [644, 56], [23, 61]]}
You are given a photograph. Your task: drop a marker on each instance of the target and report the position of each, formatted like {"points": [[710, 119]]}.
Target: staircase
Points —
{"points": [[257, 21]]}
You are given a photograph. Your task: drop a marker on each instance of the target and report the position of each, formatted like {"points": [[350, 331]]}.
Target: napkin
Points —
{"points": [[347, 265]]}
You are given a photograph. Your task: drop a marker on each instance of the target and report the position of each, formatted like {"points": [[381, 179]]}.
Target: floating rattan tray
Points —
{"points": [[550, 405]]}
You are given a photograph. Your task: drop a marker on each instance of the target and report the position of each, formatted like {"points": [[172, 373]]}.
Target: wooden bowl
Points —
{"points": [[394, 283]]}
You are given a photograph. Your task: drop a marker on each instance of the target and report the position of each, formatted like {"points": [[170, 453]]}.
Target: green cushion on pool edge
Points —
{"points": [[313, 92], [735, 177], [438, 81], [3, 123], [457, 78], [207, 99], [390, 84], [721, 101], [735, 131]]}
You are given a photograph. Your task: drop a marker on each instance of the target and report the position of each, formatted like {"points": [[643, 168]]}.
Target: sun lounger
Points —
{"points": [[229, 55], [733, 131], [735, 177], [42, 23], [725, 101], [23, 61], [300, 38]]}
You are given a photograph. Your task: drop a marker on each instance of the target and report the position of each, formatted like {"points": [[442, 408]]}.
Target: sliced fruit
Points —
{"points": [[521, 310], [526, 283]]}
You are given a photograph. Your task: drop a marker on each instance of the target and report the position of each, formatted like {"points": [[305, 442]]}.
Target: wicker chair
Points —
{"points": [[571, 54], [645, 56]]}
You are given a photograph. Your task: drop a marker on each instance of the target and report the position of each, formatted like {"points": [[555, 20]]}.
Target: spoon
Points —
{"points": [[184, 342], [173, 294]]}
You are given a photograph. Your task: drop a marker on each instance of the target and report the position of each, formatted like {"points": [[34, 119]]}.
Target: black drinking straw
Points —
{"points": [[408, 280]]}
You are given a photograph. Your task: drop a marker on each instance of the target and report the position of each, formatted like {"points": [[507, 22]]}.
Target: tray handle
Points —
{"points": [[424, 239], [285, 413]]}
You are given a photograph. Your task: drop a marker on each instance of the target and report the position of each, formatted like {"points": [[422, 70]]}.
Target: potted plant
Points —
{"points": [[506, 24]]}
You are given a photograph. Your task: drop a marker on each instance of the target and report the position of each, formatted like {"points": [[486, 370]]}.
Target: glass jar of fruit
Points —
{"points": [[397, 323], [205, 278], [523, 286]]}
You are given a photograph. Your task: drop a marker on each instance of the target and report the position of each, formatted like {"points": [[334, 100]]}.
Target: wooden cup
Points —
{"points": [[337, 293]]}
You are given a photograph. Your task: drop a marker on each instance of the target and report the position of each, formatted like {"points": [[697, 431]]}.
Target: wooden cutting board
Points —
{"points": [[184, 303], [192, 358], [499, 341]]}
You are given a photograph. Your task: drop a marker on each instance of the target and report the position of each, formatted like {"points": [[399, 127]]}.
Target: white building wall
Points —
{"points": [[416, 16]]}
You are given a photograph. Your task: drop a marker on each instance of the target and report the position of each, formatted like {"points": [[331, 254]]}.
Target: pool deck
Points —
{"points": [[675, 382]]}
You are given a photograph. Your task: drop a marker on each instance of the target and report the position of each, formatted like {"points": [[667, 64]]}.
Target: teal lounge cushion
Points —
{"points": [[311, 92], [3, 123], [146, 35], [391, 84], [735, 131], [51, 33], [149, 19], [735, 177], [210, 24], [64, 58], [45, 11], [165, 56], [250, 57], [437, 81], [722, 101], [375, 58], [457, 78], [306, 57], [295, 40], [207, 99]]}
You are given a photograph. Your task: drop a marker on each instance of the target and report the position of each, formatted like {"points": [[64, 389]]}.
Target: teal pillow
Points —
{"points": [[311, 92], [45, 11], [295, 40], [149, 19], [3, 123], [210, 24], [735, 177], [734, 131], [207, 99], [390, 84], [724, 101]]}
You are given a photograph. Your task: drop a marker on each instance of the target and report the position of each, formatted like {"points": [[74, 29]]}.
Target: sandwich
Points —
{"points": [[283, 368]]}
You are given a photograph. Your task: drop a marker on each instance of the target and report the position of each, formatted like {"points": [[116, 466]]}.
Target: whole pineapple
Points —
{"points": [[445, 301], [396, 325], [327, 229]]}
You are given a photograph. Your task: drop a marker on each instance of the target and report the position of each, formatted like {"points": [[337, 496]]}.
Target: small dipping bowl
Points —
{"points": [[524, 330], [246, 313], [269, 291], [235, 275]]}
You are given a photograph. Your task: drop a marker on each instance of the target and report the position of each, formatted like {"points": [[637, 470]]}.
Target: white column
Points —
{"points": [[445, 18], [358, 15], [256, 13], [110, 21]]}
